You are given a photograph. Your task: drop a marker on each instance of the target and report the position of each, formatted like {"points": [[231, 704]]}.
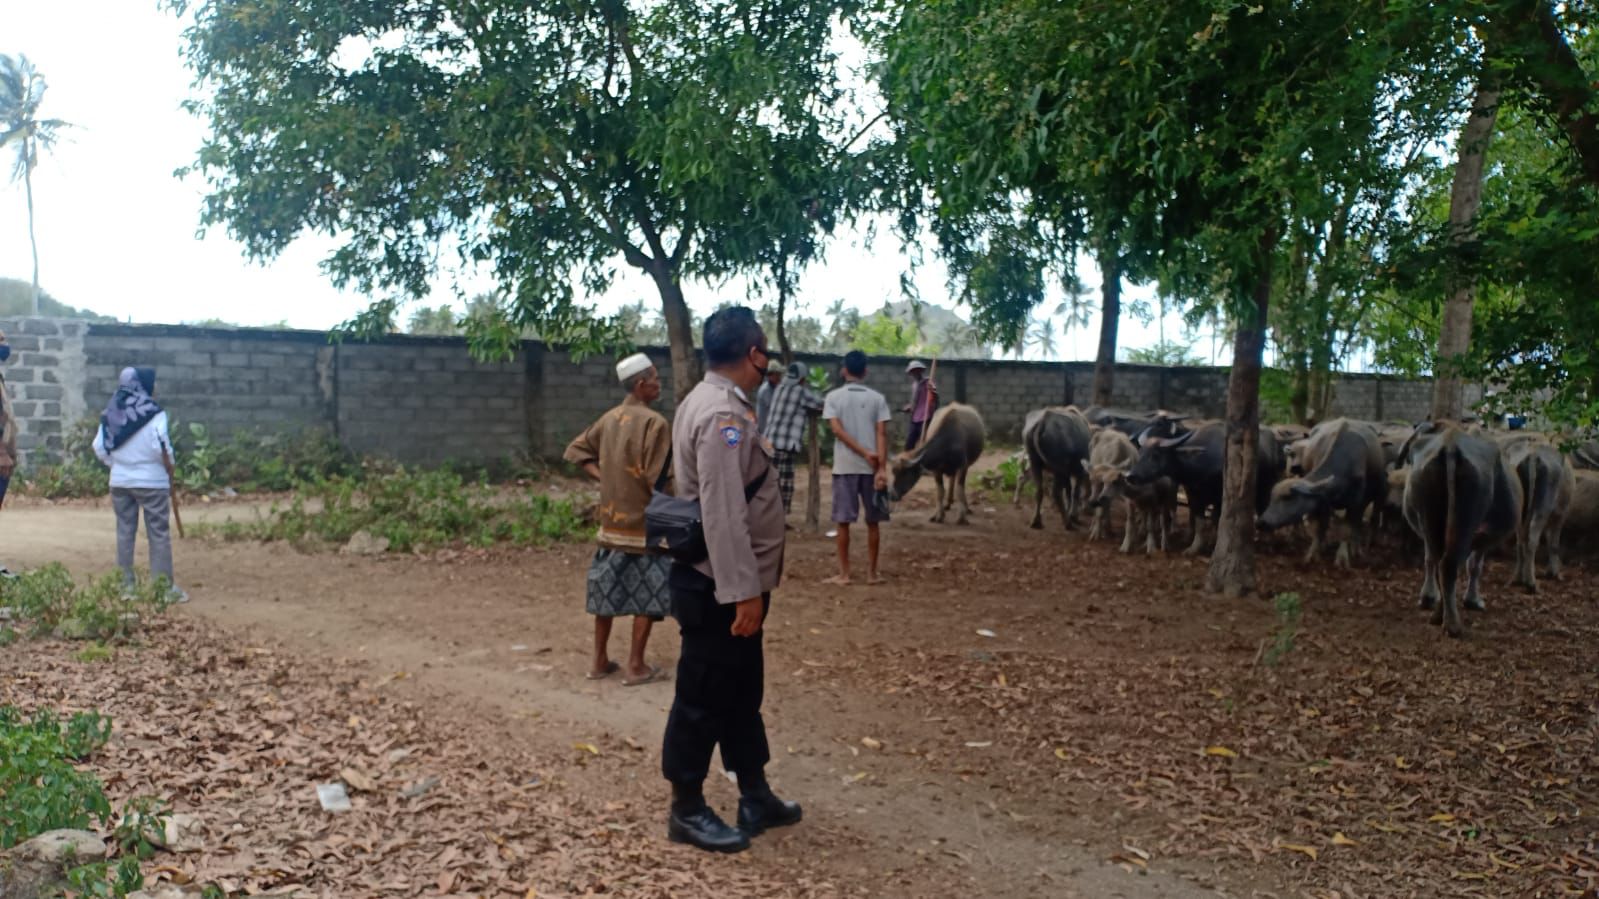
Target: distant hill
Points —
{"points": [[941, 327], [16, 299]]}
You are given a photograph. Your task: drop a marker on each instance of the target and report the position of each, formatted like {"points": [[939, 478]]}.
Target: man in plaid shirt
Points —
{"points": [[793, 402]]}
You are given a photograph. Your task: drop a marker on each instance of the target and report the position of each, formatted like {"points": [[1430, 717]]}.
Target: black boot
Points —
{"points": [[693, 822], [759, 809]]}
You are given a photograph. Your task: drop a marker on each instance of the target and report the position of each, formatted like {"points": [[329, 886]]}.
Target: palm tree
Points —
{"points": [[21, 94]]}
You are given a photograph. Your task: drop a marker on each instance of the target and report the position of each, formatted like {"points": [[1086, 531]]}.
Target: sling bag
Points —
{"points": [[674, 526]]}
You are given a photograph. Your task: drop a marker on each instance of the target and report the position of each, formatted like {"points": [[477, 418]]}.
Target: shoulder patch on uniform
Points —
{"points": [[732, 435]]}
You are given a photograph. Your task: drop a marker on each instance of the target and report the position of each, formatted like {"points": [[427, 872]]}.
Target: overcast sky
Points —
{"points": [[118, 232]]}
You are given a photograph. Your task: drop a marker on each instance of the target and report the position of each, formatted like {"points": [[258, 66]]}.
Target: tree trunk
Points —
{"points": [[1110, 313], [1465, 198], [1528, 33], [782, 311], [813, 496], [679, 331], [27, 181], [1232, 565]]}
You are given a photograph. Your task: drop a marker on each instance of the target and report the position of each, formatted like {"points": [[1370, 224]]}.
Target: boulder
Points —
{"points": [[38, 867], [365, 543]]}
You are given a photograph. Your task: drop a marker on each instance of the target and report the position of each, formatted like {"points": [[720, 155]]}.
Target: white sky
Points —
{"points": [[117, 231]]}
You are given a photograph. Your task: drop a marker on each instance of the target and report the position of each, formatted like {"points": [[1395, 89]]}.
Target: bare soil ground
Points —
{"points": [[1120, 734]]}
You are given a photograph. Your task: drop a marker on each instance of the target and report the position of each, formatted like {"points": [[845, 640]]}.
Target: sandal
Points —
{"points": [[610, 669], [655, 674]]}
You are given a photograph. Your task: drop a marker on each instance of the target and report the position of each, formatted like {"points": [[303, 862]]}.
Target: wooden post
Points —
{"points": [[813, 496]]}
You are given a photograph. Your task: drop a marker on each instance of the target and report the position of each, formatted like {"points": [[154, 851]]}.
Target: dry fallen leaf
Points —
{"points": [[589, 748], [1339, 839], [1300, 848], [870, 743], [358, 780], [1442, 818], [1222, 751]]}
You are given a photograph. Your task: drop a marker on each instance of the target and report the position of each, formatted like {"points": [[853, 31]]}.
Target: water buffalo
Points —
{"points": [[1056, 439], [1547, 482], [1128, 423], [1347, 473], [1582, 521], [1464, 500], [1110, 454], [1194, 461], [1150, 507], [952, 445]]}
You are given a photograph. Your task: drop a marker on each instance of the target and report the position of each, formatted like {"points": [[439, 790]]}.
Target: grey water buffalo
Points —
{"points": [[1110, 454], [1129, 423], [1582, 519], [1194, 461], [1056, 439], [1547, 483], [1464, 500], [1346, 472], [953, 443], [1151, 507]]}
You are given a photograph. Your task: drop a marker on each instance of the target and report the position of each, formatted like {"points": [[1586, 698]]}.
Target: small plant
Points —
{"points": [[1005, 478], [413, 510], [42, 789], [1281, 642], [51, 602]]}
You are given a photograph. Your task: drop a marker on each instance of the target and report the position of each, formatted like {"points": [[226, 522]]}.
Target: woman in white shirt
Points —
{"points": [[133, 440]]}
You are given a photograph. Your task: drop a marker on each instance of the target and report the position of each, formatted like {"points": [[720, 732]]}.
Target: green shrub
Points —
{"points": [[42, 789], [412, 510], [77, 474], [51, 602]]}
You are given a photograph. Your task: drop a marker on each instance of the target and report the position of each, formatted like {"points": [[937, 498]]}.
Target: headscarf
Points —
{"points": [[131, 407]]}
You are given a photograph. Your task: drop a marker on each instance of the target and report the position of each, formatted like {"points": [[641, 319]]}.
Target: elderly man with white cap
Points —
{"points": [[628, 450]]}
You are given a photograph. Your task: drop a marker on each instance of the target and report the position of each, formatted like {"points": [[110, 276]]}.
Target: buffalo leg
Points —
{"points": [[1318, 536], [1529, 571], [1429, 580], [1448, 612], [1135, 516], [958, 482], [1058, 494], [1552, 546], [939, 506], [1475, 564], [1038, 496]]}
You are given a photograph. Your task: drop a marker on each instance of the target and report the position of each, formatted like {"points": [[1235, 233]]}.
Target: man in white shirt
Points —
{"points": [[858, 416], [133, 440]]}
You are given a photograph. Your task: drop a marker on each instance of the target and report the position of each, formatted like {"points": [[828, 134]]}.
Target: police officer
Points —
{"points": [[721, 460]]}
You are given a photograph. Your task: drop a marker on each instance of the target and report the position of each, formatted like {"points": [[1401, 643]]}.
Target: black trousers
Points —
{"points": [[721, 680]]}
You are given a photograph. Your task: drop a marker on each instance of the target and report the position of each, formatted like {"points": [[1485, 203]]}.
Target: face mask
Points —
{"points": [[5, 352]]}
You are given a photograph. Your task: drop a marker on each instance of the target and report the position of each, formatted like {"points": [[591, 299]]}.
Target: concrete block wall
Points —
{"points": [[44, 376], [425, 400]]}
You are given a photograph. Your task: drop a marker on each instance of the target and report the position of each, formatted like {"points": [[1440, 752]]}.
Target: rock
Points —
{"points": [[6, 614], [183, 833], [364, 543], [38, 867]]}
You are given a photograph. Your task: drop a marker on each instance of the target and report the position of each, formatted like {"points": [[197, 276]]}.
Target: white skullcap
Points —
{"points": [[632, 365]]}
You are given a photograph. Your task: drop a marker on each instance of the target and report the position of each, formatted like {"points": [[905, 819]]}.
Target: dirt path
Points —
{"points": [[1046, 717], [504, 636]]}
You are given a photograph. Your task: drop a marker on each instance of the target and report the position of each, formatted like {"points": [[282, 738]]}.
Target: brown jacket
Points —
{"points": [[629, 444], [8, 432]]}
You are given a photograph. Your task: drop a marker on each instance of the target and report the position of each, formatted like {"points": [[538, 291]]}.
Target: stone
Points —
{"points": [[183, 833], [38, 867], [364, 543], [164, 891]]}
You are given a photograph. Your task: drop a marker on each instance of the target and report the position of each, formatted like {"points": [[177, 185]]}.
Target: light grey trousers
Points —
{"points": [[157, 506]]}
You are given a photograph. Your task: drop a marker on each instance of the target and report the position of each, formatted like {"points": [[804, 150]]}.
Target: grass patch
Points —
{"points": [[412, 510]]}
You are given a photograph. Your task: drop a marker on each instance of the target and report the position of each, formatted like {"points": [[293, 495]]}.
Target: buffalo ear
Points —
{"points": [[1311, 488]]}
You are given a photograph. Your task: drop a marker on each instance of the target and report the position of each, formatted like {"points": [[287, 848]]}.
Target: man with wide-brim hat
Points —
{"points": [[924, 399], [627, 450]]}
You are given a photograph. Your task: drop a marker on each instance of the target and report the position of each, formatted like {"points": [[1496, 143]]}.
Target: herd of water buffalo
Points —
{"points": [[1456, 491]]}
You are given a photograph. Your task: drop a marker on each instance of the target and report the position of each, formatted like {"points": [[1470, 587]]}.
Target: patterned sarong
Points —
{"points": [[622, 584]]}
